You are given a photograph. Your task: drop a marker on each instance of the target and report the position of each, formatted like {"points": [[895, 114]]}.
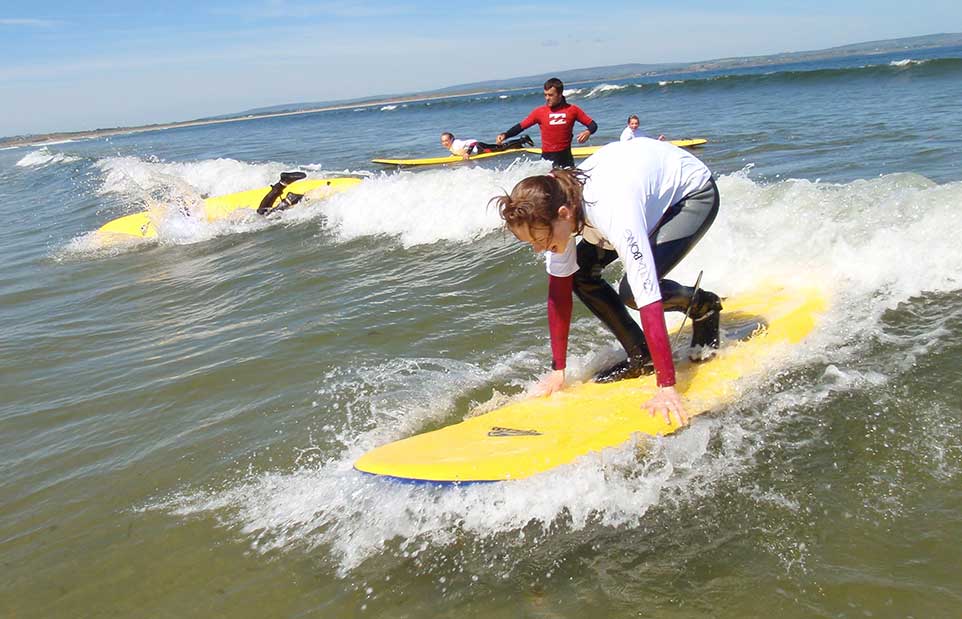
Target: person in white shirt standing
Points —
{"points": [[648, 203]]}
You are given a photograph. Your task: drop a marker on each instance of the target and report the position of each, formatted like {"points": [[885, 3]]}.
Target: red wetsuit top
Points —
{"points": [[557, 125]]}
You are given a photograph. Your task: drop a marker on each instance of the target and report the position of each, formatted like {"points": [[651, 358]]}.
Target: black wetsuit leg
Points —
{"points": [[484, 147], [513, 144], [268, 200], [560, 159], [598, 295]]}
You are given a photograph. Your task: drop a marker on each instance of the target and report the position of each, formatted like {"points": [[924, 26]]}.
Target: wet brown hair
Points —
{"points": [[534, 202], [554, 82]]}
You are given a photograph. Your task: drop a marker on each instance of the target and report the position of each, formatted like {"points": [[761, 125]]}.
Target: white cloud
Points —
{"points": [[30, 23]]}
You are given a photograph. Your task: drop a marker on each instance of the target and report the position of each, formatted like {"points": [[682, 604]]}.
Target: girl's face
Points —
{"points": [[554, 239], [633, 124]]}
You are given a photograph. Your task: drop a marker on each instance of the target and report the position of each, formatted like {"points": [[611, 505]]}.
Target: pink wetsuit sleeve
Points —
{"points": [[656, 334], [559, 318]]}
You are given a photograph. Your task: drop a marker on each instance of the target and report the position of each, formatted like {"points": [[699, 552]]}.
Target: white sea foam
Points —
{"points": [[425, 207], [848, 232], [852, 238], [211, 177], [173, 193], [388, 108], [42, 157], [907, 62], [604, 88], [414, 208]]}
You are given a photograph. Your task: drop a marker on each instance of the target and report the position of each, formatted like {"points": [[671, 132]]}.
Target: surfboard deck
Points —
{"points": [[450, 159], [531, 436], [142, 225], [579, 152]]}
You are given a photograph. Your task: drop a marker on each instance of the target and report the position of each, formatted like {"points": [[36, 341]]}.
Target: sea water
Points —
{"points": [[180, 417]]}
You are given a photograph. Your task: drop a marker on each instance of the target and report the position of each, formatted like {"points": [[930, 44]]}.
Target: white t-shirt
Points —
{"points": [[459, 147], [628, 134], [630, 186]]}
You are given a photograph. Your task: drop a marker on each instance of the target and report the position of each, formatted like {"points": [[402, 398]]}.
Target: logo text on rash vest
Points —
{"points": [[557, 118], [498, 432], [647, 283]]}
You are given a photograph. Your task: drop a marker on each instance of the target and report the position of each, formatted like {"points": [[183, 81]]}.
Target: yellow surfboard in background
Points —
{"points": [[142, 226], [448, 159], [535, 435], [578, 152]]}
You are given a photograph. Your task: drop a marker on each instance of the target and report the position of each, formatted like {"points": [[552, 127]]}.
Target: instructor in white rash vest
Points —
{"points": [[648, 203]]}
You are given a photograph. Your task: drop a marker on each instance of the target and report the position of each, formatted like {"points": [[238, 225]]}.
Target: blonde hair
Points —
{"points": [[534, 202]]}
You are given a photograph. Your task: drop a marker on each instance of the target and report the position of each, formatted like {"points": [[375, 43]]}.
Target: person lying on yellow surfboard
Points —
{"points": [[467, 147], [648, 203]]}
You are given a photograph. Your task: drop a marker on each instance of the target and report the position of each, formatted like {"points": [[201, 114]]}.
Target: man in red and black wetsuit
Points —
{"points": [[557, 120]]}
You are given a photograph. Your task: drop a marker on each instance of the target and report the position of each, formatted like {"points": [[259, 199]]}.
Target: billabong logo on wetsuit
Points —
{"points": [[557, 118], [499, 432], [639, 257]]}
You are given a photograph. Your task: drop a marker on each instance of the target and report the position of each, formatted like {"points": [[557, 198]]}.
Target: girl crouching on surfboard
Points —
{"points": [[647, 202]]}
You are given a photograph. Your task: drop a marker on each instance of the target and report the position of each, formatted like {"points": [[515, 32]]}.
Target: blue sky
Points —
{"points": [[67, 66]]}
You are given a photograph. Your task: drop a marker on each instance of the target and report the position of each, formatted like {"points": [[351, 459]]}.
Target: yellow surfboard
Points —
{"points": [[534, 435], [579, 152], [142, 225], [450, 159]]}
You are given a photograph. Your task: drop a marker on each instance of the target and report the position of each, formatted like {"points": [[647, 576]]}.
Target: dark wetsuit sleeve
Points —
{"points": [[656, 335], [559, 318], [513, 131], [592, 127]]}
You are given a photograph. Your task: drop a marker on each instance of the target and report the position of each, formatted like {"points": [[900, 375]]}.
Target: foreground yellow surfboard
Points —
{"points": [[142, 225], [579, 152], [534, 435]]}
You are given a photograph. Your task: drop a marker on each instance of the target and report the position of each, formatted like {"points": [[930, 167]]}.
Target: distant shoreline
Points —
{"points": [[55, 138], [574, 76]]}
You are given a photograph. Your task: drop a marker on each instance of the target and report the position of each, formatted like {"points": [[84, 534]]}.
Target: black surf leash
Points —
{"points": [[688, 311]]}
